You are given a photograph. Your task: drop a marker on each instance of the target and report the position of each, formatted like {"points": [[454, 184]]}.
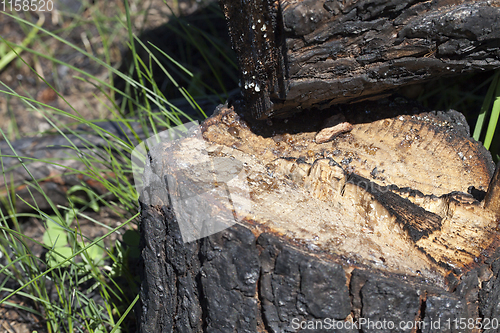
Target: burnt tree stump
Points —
{"points": [[390, 225], [377, 216], [302, 54]]}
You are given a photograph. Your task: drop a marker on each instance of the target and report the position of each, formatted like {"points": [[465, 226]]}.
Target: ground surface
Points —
{"points": [[18, 119], [74, 21]]}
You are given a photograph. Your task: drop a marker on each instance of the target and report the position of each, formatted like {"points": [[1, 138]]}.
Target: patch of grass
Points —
{"points": [[84, 283], [7, 56], [490, 112], [477, 96]]}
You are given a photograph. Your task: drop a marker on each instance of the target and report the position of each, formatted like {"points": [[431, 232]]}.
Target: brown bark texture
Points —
{"points": [[385, 223], [303, 54]]}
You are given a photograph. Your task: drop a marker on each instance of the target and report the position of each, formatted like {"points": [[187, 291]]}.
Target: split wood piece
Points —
{"points": [[296, 55], [326, 236], [334, 126]]}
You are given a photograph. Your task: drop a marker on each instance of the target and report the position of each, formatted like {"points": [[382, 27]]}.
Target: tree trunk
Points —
{"points": [[382, 227], [301, 54]]}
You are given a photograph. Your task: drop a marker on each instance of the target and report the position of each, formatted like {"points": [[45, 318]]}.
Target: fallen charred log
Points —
{"points": [[296, 55]]}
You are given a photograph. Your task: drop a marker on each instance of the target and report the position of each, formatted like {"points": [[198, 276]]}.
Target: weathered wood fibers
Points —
{"points": [[295, 55], [404, 247]]}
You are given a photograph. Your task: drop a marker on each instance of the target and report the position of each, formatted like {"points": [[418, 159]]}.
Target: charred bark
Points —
{"points": [[296, 55], [364, 232]]}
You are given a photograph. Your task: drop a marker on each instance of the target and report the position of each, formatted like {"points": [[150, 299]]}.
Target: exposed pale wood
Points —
{"points": [[300, 54], [334, 126], [386, 185]]}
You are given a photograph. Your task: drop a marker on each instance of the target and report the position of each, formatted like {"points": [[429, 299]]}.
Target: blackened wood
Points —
{"points": [[416, 220], [255, 29], [307, 53]]}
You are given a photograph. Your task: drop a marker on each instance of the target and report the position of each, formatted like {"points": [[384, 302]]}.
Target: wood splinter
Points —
{"points": [[492, 199], [334, 126]]}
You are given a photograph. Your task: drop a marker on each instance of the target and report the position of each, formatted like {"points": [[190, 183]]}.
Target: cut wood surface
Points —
{"points": [[295, 55], [386, 221]]}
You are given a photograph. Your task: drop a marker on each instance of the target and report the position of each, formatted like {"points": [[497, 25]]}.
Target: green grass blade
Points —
{"points": [[492, 124], [131, 306], [485, 107], [14, 52], [97, 240]]}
